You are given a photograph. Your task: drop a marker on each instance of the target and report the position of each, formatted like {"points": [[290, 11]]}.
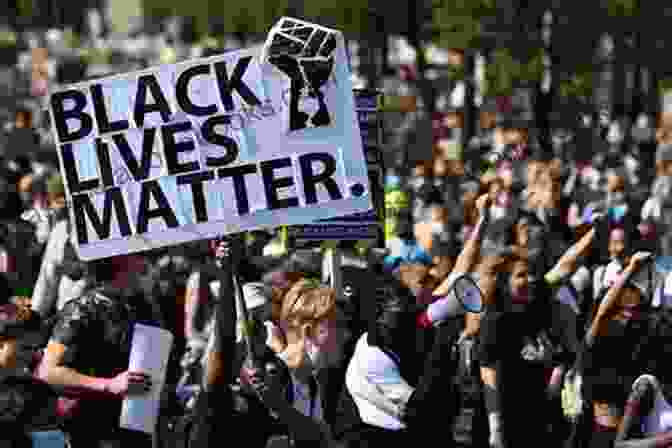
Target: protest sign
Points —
{"points": [[150, 351], [250, 139], [366, 225]]}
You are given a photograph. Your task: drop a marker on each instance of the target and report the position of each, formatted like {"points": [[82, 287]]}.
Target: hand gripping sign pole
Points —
{"points": [[235, 244]]}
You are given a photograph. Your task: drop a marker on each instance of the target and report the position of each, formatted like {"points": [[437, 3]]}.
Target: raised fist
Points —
{"points": [[304, 53]]}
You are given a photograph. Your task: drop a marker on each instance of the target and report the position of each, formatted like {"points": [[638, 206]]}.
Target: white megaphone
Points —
{"points": [[464, 296]]}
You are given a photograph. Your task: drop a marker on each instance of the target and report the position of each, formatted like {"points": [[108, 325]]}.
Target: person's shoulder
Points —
{"points": [[91, 302], [372, 358]]}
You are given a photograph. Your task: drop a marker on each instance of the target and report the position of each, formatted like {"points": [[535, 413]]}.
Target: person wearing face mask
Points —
{"points": [[647, 421], [248, 391], [315, 342], [612, 356], [604, 276], [615, 202], [521, 340], [515, 351], [392, 391], [656, 216]]}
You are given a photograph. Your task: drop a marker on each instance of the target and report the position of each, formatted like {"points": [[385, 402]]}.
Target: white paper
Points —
{"points": [[668, 286], [150, 351]]}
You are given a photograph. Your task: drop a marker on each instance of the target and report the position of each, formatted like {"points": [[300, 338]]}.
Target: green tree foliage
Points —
{"points": [[460, 23], [355, 17], [250, 16], [25, 8]]}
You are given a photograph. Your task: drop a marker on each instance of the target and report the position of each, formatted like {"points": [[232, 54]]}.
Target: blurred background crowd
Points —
{"points": [[528, 100]]}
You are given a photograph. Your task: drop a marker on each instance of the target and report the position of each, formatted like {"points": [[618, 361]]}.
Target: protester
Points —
{"points": [[569, 212], [612, 359], [99, 321], [27, 405], [256, 408]]}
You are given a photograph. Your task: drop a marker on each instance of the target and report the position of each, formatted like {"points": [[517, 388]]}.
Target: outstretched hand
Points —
{"points": [[639, 259]]}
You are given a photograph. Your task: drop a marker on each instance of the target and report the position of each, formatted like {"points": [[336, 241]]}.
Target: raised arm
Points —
{"points": [[472, 248], [439, 309], [220, 370], [567, 264], [613, 295]]}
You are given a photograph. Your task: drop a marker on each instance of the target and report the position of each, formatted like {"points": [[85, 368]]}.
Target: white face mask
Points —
{"points": [[438, 228]]}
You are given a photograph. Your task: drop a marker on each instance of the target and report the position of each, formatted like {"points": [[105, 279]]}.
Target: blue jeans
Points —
{"points": [[47, 439]]}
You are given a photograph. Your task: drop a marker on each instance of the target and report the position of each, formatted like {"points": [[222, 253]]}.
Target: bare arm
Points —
{"points": [[472, 248], [69, 381], [568, 262], [219, 371], [612, 297]]}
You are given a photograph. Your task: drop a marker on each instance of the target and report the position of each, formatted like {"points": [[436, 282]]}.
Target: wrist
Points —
{"points": [[101, 386]]}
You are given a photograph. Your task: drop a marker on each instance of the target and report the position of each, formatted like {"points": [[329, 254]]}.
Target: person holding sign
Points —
{"points": [[248, 388], [88, 356]]}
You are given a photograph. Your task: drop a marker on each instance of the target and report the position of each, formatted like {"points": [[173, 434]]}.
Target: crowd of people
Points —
{"points": [[566, 241]]}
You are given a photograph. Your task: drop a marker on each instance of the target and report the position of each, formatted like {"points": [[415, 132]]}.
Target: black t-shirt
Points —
{"points": [[26, 404], [97, 331], [613, 361], [230, 415]]}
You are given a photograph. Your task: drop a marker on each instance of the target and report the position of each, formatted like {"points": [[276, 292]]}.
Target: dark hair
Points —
{"points": [[103, 270], [392, 318]]}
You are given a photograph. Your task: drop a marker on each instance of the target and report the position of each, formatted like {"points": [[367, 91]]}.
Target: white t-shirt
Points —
{"points": [[375, 383]]}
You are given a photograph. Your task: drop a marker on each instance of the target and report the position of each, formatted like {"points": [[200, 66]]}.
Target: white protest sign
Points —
{"points": [[150, 351], [255, 138]]}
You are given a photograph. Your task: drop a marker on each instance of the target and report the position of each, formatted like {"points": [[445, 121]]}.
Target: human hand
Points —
{"points": [[637, 260], [265, 379], [129, 383]]}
